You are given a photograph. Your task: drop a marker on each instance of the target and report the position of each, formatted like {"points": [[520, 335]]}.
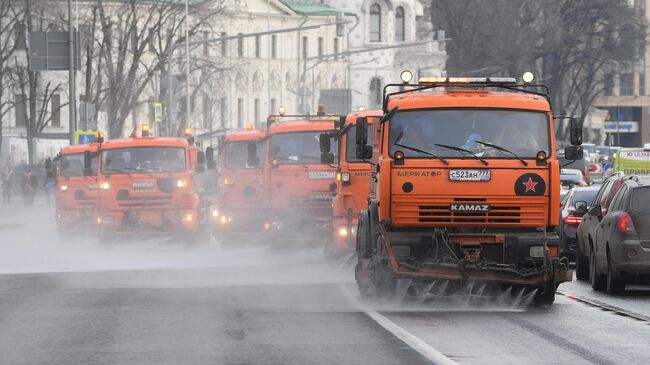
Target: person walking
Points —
{"points": [[6, 184], [49, 187]]}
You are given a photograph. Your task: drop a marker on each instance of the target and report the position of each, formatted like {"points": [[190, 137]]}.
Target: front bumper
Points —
{"points": [[147, 222]]}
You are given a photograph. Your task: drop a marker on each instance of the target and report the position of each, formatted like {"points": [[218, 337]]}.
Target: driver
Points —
{"points": [[517, 136], [415, 137], [171, 161]]}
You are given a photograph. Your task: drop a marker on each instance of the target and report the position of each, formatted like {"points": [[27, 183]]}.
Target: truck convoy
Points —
{"points": [[352, 183], [76, 192], [296, 182], [149, 186], [238, 212], [467, 188]]}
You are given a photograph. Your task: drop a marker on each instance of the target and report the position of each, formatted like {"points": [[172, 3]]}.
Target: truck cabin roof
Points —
{"points": [[307, 125], [467, 98], [78, 148], [243, 136], [146, 142]]}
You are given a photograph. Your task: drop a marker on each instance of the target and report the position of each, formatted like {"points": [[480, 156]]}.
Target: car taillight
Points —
{"points": [[572, 220], [625, 224]]}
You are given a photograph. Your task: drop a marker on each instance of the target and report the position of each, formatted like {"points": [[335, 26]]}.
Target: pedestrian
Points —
{"points": [[33, 185], [24, 187], [7, 173], [49, 186]]}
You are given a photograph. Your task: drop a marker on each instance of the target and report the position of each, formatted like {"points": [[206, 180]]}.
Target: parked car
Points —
{"points": [[588, 226], [574, 205], [621, 249]]}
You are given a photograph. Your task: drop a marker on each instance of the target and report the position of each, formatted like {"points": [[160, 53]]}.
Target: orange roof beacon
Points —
{"points": [[297, 184], [76, 191], [467, 189], [352, 183], [241, 193], [149, 186]]}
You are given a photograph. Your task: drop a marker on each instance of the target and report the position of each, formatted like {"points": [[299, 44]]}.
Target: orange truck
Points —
{"points": [[352, 183], [152, 186], [238, 212], [76, 192], [297, 192], [466, 190]]}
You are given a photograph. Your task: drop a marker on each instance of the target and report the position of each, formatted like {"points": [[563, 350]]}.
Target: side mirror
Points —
{"points": [[573, 153], [581, 207], [48, 164], [364, 152], [595, 211], [325, 143], [362, 131], [200, 157], [575, 131], [88, 158]]}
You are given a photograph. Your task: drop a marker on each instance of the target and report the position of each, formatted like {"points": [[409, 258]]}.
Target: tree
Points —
{"points": [[35, 90], [567, 43], [9, 14]]}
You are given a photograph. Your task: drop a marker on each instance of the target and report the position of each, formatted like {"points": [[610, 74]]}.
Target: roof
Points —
{"points": [[146, 142], [469, 99], [352, 117], [245, 136], [309, 7], [79, 148], [314, 125]]}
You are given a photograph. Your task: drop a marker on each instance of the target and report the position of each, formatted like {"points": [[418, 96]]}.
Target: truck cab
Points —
{"points": [[297, 184], [467, 188], [76, 188], [241, 194], [150, 186], [352, 183]]}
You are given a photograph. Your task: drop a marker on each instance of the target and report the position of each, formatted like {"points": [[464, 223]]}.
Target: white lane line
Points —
{"points": [[408, 338]]}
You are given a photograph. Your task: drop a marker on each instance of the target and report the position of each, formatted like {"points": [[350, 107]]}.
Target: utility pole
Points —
{"points": [[187, 62], [72, 105]]}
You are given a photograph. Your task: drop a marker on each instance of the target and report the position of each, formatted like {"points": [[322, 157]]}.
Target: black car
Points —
{"points": [[590, 224], [581, 165], [621, 245], [574, 205]]}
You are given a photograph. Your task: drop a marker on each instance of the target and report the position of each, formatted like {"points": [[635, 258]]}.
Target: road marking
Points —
{"points": [[607, 307], [403, 335]]}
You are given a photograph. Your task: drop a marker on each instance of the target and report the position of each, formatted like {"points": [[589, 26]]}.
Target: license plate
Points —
{"points": [[321, 175], [470, 175]]}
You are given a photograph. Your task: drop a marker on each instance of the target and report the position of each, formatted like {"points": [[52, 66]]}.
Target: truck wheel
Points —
{"points": [[546, 296], [614, 285], [364, 271], [373, 215], [364, 243], [595, 277], [582, 266], [384, 282]]}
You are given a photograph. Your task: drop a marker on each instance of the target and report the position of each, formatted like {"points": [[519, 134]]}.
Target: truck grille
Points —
{"points": [[427, 211]]}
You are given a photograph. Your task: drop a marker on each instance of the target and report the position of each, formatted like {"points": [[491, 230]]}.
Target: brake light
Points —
{"points": [[625, 224], [572, 220], [553, 251]]}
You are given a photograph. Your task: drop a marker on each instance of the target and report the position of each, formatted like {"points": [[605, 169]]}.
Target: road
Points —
{"points": [[76, 301]]}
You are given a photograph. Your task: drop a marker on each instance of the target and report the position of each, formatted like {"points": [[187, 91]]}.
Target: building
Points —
{"points": [[625, 99]]}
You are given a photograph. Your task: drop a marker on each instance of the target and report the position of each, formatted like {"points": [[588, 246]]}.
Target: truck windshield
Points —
{"points": [[73, 165], [134, 160], [298, 148], [351, 143], [237, 155], [522, 132]]}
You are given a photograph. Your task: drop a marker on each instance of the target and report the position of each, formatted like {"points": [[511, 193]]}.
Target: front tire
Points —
{"points": [[582, 265], [614, 285]]}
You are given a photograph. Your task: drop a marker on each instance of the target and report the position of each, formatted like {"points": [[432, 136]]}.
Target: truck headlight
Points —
{"points": [[537, 251], [215, 212], [64, 187], [181, 183], [343, 232], [104, 186]]}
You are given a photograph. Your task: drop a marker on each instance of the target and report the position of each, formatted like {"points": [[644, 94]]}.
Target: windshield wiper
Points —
{"points": [[116, 171], [422, 152], [502, 149], [462, 150]]}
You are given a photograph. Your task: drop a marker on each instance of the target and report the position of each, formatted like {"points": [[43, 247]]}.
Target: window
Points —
{"points": [[141, 160], [608, 86], [400, 35], [20, 109], [258, 50], [274, 46], [240, 113], [224, 45], [237, 154], [223, 111], [21, 42], [642, 69], [55, 104], [375, 93], [626, 79], [375, 23], [298, 148], [618, 199], [240, 45], [257, 110], [336, 48], [305, 45], [321, 46], [207, 118], [274, 105]]}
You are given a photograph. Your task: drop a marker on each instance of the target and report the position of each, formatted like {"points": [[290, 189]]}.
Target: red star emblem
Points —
{"points": [[530, 185]]}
